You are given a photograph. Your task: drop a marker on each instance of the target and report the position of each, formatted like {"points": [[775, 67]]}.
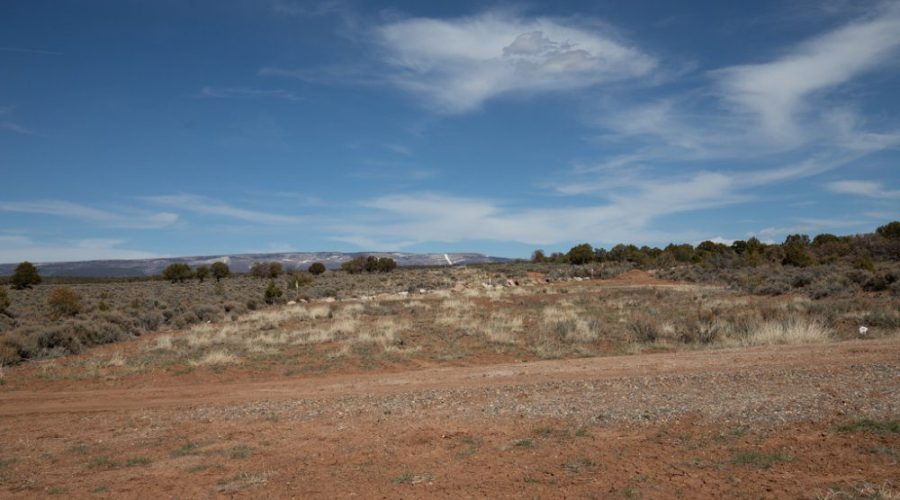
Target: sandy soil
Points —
{"points": [[737, 423]]}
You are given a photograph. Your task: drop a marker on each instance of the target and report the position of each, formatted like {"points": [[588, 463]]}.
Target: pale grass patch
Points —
{"points": [[416, 304], [456, 305], [383, 332], [318, 312], [219, 357], [442, 294], [261, 349], [201, 339], [271, 338], [349, 311], [503, 328], [789, 331], [581, 331], [163, 343], [561, 311], [116, 359], [343, 351], [343, 326], [403, 351], [312, 336], [454, 313]]}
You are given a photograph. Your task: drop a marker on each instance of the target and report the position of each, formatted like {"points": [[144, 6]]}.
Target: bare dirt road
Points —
{"points": [[798, 421]]}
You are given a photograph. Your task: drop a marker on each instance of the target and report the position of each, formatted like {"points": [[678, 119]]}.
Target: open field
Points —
{"points": [[627, 387]]}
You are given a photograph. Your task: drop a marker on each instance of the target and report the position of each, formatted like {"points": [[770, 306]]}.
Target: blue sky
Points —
{"points": [[156, 128]]}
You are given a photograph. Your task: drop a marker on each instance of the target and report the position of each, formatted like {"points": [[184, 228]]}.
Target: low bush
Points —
{"points": [[64, 301]]}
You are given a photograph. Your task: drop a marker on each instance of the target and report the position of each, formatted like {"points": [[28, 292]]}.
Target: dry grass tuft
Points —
{"points": [[214, 358], [789, 331], [163, 343], [503, 328]]}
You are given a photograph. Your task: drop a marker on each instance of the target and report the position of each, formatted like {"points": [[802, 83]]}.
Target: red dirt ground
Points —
{"points": [[760, 422]]}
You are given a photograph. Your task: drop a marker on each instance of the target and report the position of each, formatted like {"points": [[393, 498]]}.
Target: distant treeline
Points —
{"points": [[861, 250]]}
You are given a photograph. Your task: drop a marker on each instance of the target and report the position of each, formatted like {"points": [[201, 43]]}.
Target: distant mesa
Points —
{"points": [[241, 263]]}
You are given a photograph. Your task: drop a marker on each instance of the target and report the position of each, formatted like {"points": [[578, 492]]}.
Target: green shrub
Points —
{"points": [[273, 293], [201, 273], [25, 276], [178, 272], [316, 268], [269, 270], [890, 230], [220, 270], [580, 254], [4, 301], [797, 255]]}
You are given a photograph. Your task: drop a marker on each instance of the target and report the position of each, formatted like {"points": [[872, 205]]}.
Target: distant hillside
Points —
{"points": [[241, 263]]}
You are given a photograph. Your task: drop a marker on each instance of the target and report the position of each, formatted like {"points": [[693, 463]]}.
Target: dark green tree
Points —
{"points": [[797, 255], [316, 268], [385, 265], [220, 270], [355, 265], [25, 275], [178, 272], [890, 230], [201, 273], [797, 239], [581, 254], [824, 239], [538, 256], [259, 269]]}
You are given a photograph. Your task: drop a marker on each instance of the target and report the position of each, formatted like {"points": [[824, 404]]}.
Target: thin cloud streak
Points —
{"points": [[869, 189], [19, 248], [125, 219], [208, 206], [248, 93]]}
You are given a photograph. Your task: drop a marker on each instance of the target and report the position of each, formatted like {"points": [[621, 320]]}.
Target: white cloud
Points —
{"points": [[15, 127], [458, 64], [870, 189], [241, 92], [124, 219], [19, 248], [777, 91], [209, 206], [402, 220], [11, 126]]}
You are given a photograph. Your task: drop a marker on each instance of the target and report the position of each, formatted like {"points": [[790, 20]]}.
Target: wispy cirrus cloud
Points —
{"points": [[126, 218], [9, 125], [248, 93], [209, 206], [403, 220], [869, 189], [18, 248], [778, 91], [15, 127]]}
